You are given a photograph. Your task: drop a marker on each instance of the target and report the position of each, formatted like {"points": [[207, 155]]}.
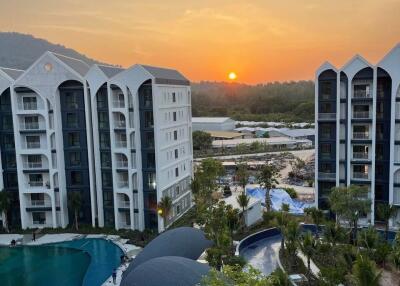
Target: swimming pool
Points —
{"points": [[87, 262]]}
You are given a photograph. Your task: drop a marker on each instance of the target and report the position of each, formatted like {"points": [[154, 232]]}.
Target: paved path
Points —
{"points": [[314, 268], [263, 254]]}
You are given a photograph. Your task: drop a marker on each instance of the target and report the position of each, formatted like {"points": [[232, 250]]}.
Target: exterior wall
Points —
{"points": [[227, 125], [367, 132]]}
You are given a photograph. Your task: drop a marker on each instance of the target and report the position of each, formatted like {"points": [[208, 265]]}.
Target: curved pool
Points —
{"points": [[87, 262]]}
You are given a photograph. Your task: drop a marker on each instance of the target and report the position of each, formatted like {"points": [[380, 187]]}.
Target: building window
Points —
{"points": [[7, 122], [35, 180], [104, 140], [73, 139], [105, 159], [173, 97], [31, 122], [75, 158], [72, 120], [32, 142], [76, 178], [175, 135], [174, 116], [103, 120], [176, 153], [8, 141], [176, 172], [10, 161], [29, 102], [39, 217], [71, 100], [106, 179], [148, 119]]}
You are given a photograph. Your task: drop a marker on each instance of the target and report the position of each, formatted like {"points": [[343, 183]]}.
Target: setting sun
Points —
{"points": [[232, 76]]}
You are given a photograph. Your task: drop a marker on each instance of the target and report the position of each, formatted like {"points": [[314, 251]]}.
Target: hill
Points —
{"points": [[287, 101], [20, 50]]}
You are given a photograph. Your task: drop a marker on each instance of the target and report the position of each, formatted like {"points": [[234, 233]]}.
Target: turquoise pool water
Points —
{"points": [[87, 262]]}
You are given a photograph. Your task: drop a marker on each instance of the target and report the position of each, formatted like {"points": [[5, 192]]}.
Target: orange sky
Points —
{"points": [[261, 41]]}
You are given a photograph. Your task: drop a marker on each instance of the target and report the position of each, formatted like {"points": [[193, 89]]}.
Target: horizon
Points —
{"points": [[260, 42]]}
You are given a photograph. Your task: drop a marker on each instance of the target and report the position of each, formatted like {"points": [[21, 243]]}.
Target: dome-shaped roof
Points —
{"points": [[185, 242], [167, 271]]}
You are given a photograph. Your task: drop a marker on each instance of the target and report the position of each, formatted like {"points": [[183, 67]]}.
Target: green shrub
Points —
{"points": [[292, 192]]}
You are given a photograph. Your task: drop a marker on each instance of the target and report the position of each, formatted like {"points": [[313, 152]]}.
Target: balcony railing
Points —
{"points": [[360, 135], [360, 155], [125, 204], [326, 116], [122, 164], [360, 175], [120, 124], [33, 145], [35, 183], [326, 96], [30, 126], [361, 94], [33, 165], [120, 144], [28, 105], [122, 184], [326, 175], [118, 104], [124, 224], [361, 114], [325, 155], [40, 203], [39, 222]]}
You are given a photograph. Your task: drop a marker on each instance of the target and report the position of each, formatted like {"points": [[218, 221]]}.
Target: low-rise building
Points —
{"points": [[213, 124]]}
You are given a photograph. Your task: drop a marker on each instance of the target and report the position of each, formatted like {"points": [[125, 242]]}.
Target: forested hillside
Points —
{"points": [[286, 101]]}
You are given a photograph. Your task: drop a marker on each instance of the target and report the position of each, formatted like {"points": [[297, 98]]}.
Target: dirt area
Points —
{"points": [[390, 278]]}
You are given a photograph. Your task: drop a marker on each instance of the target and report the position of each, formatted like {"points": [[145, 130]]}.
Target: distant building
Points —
{"points": [[213, 124], [276, 143], [225, 135], [357, 116]]}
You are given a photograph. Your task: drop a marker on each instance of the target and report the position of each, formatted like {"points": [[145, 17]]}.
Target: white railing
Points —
{"points": [[120, 144], [360, 135], [122, 164], [361, 94], [120, 124], [40, 203], [28, 105], [122, 184], [360, 175], [125, 204], [39, 222], [30, 126], [361, 114], [360, 155], [118, 104], [325, 175], [33, 165], [36, 183], [124, 224], [396, 196], [33, 145], [327, 116]]}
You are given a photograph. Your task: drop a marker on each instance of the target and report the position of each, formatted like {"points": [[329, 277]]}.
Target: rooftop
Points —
{"points": [[12, 73], [269, 141], [210, 119], [166, 76], [224, 134]]}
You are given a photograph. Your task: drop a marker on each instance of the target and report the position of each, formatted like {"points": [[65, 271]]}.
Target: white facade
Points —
{"points": [[357, 124], [213, 124], [97, 150]]}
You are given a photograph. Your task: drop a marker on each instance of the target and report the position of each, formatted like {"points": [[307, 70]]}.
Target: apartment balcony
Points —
{"points": [[326, 175], [120, 144], [361, 135], [123, 184], [124, 204], [32, 127], [326, 156], [124, 224], [122, 164], [39, 204], [35, 165], [360, 176], [360, 156], [361, 94], [361, 115], [120, 124], [118, 104], [327, 116], [396, 196]]}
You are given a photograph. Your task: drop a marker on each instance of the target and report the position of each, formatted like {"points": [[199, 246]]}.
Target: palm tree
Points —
{"points": [[5, 205], [292, 234], [282, 220], [334, 233], [75, 203], [242, 175], [316, 215], [164, 208], [243, 201], [268, 177], [308, 247], [365, 272], [386, 212]]}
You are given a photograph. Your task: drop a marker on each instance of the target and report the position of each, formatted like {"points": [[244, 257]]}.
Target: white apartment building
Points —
{"points": [[119, 137], [357, 117]]}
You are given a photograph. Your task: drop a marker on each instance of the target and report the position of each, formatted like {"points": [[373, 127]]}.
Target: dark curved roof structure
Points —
{"points": [[167, 271], [184, 242]]}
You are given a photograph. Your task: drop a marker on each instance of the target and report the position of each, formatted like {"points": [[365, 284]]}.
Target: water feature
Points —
{"points": [[87, 262]]}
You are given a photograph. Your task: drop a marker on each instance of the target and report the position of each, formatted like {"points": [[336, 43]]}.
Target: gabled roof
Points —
{"points": [[166, 76], [12, 73], [110, 71], [77, 65]]}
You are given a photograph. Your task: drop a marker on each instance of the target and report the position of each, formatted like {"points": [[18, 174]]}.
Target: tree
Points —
{"points": [[334, 233], [282, 221], [368, 239], [365, 272], [386, 212], [265, 135], [242, 175], [75, 203], [349, 203], [243, 201], [316, 215], [201, 140], [292, 235], [164, 208], [308, 247], [396, 251], [232, 218], [267, 177], [5, 205]]}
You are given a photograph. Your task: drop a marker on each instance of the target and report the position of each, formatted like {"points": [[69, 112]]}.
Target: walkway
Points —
{"points": [[263, 254]]}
